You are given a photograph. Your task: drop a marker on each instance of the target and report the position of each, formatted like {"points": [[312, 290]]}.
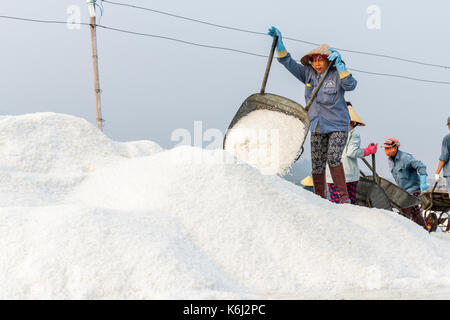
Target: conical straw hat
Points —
{"points": [[322, 49], [354, 116], [307, 182]]}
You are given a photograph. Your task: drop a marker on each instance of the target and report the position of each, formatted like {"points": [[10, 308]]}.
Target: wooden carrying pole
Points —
{"points": [[269, 64], [96, 77]]}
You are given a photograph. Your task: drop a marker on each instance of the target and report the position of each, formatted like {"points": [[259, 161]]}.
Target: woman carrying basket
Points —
{"points": [[329, 116]]}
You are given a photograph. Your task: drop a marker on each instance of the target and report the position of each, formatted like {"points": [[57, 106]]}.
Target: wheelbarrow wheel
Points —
{"points": [[432, 222]]}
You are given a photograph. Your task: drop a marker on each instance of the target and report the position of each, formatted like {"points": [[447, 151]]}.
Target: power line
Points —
{"points": [[265, 34], [184, 18], [182, 41], [135, 33], [266, 56], [44, 21], [398, 76], [204, 45]]}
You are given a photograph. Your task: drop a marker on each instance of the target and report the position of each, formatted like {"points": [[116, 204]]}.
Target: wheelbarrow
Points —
{"points": [[436, 207], [276, 103], [377, 192], [369, 192]]}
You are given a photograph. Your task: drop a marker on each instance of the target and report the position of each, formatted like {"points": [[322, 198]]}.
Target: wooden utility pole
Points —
{"points": [[95, 65]]}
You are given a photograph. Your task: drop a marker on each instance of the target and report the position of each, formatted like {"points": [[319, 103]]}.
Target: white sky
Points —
{"points": [[152, 87]]}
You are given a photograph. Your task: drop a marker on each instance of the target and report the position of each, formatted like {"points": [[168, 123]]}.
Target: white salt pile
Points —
{"points": [[44, 155], [267, 140], [143, 226]]}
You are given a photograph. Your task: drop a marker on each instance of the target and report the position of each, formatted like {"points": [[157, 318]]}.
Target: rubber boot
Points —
{"points": [[338, 175], [320, 184]]}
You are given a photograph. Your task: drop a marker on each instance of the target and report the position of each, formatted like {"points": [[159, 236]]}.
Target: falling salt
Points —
{"points": [[267, 140]]}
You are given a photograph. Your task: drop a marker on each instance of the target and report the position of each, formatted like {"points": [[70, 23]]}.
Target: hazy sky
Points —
{"points": [[152, 87]]}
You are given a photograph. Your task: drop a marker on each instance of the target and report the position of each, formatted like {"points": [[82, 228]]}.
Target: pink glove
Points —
{"points": [[371, 149]]}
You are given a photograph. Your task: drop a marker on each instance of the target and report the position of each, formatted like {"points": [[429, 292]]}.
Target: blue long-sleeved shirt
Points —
{"points": [[406, 170], [329, 109], [445, 155]]}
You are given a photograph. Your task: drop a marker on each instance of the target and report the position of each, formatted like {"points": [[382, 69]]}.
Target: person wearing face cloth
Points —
{"points": [[328, 114], [409, 174]]}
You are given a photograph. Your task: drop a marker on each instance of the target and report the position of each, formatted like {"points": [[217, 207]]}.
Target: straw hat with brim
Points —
{"points": [[354, 116], [307, 182], [323, 49]]}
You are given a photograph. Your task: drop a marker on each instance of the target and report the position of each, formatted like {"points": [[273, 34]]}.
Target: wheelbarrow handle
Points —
{"points": [[374, 168], [434, 187], [269, 64], [371, 169]]}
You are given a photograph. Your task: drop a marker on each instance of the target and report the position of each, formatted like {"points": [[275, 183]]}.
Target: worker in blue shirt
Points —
{"points": [[328, 114], [444, 159], [409, 174]]}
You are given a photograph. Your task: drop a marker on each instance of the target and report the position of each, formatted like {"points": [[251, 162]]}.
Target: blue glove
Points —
{"points": [[423, 183], [336, 56], [275, 32]]}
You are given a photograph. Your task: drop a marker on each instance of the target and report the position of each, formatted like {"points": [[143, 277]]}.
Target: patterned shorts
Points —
{"points": [[351, 189], [327, 147]]}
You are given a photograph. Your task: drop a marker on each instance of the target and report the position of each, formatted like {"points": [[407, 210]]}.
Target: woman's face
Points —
{"points": [[319, 63]]}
